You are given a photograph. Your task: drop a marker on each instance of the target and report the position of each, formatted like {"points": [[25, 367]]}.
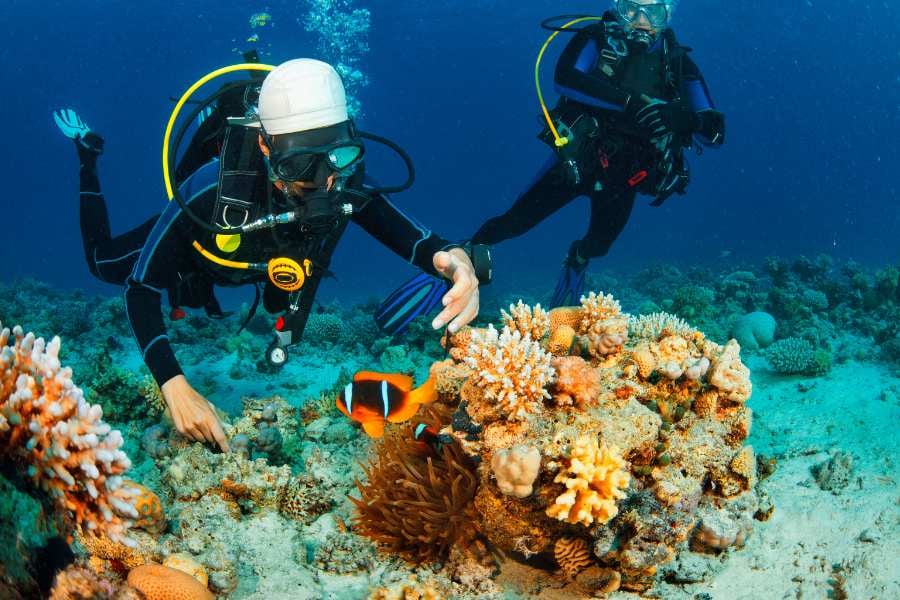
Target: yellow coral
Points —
{"points": [[50, 431], [561, 340], [101, 547], [511, 369], [566, 316], [527, 320], [595, 479]]}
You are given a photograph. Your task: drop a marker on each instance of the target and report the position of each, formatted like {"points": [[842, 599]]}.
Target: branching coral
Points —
{"points": [[510, 369], [527, 320], [595, 478], [651, 327], [48, 429], [417, 501], [603, 324]]}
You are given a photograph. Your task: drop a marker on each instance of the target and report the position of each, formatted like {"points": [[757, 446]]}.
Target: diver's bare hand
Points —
{"points": [[461, 302], [193, 414]]}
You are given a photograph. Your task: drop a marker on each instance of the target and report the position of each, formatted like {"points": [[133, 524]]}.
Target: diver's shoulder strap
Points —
{"points": [[240, 169]]}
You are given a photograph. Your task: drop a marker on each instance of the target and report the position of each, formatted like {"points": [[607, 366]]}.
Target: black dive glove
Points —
{"points": [[712, 126], [659, 118]]}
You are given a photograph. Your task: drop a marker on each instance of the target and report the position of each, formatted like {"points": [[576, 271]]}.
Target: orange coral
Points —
{"points": [[157, 582], [576, 382], [569, 316], [49, 430], [151, 516]]}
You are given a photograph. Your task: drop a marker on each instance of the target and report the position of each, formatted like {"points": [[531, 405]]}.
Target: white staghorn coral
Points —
{"points": [[527, 320], [651, 327], [49, 430], [511, 369]]}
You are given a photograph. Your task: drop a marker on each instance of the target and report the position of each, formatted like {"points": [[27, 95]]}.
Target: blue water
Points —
{"points": [[811, 91]]}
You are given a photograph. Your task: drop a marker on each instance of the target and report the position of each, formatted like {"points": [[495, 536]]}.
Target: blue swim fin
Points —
{"points": [[416, 297], [570, 286]]}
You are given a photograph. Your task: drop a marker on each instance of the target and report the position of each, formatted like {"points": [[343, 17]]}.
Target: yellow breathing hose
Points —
{"points": [[170, 192], [558, 140], [225, 262]]}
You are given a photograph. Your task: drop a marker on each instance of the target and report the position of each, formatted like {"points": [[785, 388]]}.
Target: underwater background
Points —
{"points": [[797, 217]]}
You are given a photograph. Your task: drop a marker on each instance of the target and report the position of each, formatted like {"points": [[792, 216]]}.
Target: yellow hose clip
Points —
{"points": [[558, 140]]}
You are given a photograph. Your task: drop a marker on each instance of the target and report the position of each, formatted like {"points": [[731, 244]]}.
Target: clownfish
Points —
{"points": [[375, 398], [428, 436]]}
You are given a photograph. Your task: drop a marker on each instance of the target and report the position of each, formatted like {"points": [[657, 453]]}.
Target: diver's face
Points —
{"points": [[297, 189], [637, 18]]}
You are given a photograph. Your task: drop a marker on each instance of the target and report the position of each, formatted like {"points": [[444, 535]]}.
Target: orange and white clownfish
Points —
{"points": [[374, 398]]}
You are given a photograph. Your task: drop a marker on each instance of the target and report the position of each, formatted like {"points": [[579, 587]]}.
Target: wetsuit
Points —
{"points": [[588, 85], [157, 257]]}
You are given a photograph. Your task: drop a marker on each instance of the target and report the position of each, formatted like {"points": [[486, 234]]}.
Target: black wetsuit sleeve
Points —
{"points": [[166, 258], [578, 78], [407, 238]]}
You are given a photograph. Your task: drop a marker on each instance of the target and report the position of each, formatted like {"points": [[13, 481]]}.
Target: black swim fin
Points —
{"points": [[416, 297]]}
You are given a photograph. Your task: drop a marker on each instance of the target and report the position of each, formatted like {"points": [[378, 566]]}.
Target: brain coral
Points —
{"points": [[754, 330], [157, 582]]}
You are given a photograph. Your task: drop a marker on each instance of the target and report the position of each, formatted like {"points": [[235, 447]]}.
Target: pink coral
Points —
{"points": [[576, 382], [48, 429]]}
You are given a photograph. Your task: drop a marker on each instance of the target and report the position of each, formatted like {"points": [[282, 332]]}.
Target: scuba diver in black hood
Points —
{"points": [[284, 179], [632, 101]]}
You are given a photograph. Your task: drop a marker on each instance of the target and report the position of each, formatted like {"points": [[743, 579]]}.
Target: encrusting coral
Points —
{"points": [[595, 479], [48, 430]]}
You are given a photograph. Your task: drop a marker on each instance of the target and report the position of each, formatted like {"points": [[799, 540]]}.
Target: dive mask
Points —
{"points": [[657, 14], [300, 156]]}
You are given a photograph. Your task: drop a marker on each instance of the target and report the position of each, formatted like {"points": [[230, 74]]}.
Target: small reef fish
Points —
{"points": [[260, 19], [430, 437], [253, 38], [375, 398]]}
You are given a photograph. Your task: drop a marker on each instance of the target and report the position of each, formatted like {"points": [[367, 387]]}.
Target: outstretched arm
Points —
{"points": [[433, 254], [711, 127]]}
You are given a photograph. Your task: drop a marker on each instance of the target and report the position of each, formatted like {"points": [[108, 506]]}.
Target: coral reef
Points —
{"points": [[640, 437], [59, 440]]}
